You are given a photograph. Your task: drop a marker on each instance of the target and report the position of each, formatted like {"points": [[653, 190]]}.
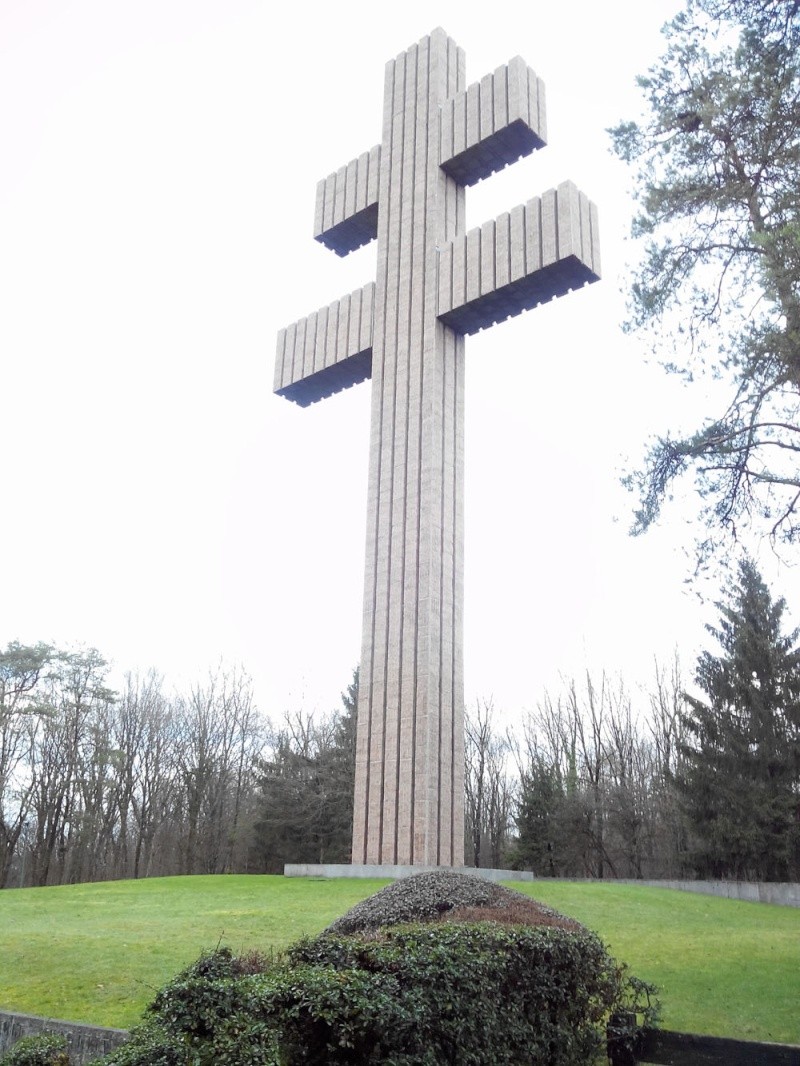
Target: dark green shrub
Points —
{"points": [[443, 993], [472, 994], [45, 1049], [321, 1014], [200, 1018], [199, 999], [238, 1041], [148, 1045]]}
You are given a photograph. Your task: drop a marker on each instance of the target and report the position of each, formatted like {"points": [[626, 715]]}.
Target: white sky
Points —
{"points": [[158, 165]]}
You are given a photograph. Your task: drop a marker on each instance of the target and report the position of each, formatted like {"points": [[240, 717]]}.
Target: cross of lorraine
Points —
{"points": [[435, 283]]}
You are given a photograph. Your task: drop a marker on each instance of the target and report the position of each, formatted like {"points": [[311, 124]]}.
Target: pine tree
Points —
{"points": [[716, 295], [741, 777], [305, 803], [542, 800]]}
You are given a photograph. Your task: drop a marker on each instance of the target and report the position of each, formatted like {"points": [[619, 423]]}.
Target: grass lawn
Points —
{"points": [[724, 967], [97, 953]]}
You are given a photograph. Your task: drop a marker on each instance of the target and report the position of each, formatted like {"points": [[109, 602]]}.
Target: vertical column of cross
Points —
{"points": [[439, 787], [368, 829], [410, 728]]}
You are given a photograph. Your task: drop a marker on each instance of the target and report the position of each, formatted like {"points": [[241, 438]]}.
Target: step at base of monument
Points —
{"points": [[309, 869]]}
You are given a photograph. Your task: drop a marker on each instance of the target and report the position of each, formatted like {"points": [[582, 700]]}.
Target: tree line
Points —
{"points": [[97, 784], [598, 780], [669, 782]]}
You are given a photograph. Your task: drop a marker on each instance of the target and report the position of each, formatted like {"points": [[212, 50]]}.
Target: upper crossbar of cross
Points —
{"points": [[538, 250]]}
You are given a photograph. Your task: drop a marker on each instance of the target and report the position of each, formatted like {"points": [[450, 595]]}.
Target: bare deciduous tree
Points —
{"points": [[489, 789]]}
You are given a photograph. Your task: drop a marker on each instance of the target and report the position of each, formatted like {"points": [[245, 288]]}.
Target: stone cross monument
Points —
{"points": [[435, 283]]}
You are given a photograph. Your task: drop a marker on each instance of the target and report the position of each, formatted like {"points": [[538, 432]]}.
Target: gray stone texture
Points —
{"points": [[367, 871], [328, 351], [85, 1043], [435, 283], [346, 215], [780, 893], [526, 256]]}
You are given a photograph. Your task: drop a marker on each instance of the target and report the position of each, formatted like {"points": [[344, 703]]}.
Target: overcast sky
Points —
{"points": [[159, 164]]}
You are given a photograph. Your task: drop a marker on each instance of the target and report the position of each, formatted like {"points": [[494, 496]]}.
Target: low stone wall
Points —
{"points": [[86, 1042], [787, 894], [332, 869], [784, 893]]}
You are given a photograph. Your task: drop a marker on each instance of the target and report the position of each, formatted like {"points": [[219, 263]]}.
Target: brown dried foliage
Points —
{"points": [[524, 912]]}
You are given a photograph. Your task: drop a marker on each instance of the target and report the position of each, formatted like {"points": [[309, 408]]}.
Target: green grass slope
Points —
{"points": [[97, 953], [724, 967]]}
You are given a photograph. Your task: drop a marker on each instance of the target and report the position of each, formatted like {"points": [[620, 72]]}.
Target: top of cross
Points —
{"points": [[535, 251]]}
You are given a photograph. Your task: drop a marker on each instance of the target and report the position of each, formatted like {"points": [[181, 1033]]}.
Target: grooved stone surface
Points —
{"points": [[435, 283], [361, 871], [85, 1043]]}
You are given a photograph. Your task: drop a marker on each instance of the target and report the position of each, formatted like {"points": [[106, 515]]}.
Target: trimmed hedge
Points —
{"points": [[473, 994], [201, 1018], [44, 1049], [445, 993]]}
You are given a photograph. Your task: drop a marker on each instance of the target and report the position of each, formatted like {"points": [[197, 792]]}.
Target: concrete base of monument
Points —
{"points": [[311, 869]]}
